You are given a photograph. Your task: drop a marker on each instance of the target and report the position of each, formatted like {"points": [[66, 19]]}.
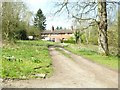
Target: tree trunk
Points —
{"points": [[119, 31], [102, 26], [86, 37]]}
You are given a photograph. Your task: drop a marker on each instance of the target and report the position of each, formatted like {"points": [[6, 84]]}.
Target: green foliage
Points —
{"points": [[57, 28], [112, 32], [33, 31], [77, 36], [60, 28], [119, 33], [91, 35], [21, 34], [8, 20], [14, 24], [93, 40], [83, 40], [113, 38], [25, 59], [39, 20], [70, 40]]}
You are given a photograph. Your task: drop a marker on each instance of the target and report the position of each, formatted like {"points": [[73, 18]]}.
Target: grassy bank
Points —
{"points": [[26, 59], [91, 54]]}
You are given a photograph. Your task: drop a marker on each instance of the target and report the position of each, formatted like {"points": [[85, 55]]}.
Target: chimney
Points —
{"points": [[72, 28], [52, 28]]}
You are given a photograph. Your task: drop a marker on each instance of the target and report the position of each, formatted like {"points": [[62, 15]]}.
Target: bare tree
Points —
{"points": [[119, 32], [93, 13], [102, 26]]}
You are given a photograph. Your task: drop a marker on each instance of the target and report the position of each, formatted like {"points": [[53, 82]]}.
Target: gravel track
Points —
{"points": [[74, 72]]}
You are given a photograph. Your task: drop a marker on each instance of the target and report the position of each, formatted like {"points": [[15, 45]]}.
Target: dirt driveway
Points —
{"points": [[74, 72]]}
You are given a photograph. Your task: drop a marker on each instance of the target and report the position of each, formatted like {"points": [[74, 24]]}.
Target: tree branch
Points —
{"points": [[64, 4]]}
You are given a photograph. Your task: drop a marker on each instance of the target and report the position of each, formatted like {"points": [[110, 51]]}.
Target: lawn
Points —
{"points": [[91, 54], [25, 59]]}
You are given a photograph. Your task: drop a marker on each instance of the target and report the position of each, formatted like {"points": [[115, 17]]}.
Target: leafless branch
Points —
{"points": [[85, 19], [90, 25], [114, 2], [67, 9], [82, 8], [92, 8], [64, 4]]}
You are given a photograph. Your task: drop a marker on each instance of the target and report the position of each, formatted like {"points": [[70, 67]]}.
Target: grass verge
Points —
{"points": [[109, 61], [58, 49]]}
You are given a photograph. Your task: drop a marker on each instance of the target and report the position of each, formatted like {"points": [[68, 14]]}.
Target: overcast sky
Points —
{"points": [[48, 8]]}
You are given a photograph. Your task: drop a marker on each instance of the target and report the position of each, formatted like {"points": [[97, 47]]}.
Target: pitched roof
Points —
{"points": [[56, 31]]}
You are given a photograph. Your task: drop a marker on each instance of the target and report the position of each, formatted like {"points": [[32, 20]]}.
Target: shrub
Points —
{"points": [[71, 40]]}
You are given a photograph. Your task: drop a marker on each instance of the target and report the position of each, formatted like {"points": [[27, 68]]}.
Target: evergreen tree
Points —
{"points": [[57, 28], [39, 20], [60, 28]]}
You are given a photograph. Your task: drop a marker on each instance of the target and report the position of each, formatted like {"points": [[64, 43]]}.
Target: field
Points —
{"points": [[26, 59]]}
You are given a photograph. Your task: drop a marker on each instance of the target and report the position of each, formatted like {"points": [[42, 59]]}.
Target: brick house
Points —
{"points": [[57, 35]]}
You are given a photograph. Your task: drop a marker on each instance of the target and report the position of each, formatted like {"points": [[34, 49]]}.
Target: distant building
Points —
{"points": [[30, 37], [57, 35]]}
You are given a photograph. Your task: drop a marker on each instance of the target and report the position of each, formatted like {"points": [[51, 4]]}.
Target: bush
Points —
{"points": [[83, 40], [71, 40], [21, 34], [94, 40]]}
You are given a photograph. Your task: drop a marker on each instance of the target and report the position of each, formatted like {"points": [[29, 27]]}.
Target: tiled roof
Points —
{"points": [[56, 31]]}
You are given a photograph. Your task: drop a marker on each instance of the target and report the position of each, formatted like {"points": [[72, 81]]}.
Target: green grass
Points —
{"points": [[108, 61], [63, 52], [23, 59], [0, 61]]}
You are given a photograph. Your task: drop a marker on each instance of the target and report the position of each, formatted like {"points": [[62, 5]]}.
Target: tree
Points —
{"points": [[0, 23], [57, 28], [119, 33], [39, 20], [86, 12], [12, 18], [77, 36], [60, 28], [52, 28], [78, 32], [102, 26]]}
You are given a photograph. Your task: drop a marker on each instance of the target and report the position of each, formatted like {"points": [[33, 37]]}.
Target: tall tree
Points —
{"points": [[119, 32], [93, 13], [57, 28], [77, 36], [12, 17], [39, 20], [102, 26], [60, 28]]}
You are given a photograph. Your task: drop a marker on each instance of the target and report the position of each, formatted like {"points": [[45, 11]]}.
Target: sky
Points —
{"points": [[48, 8]]}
